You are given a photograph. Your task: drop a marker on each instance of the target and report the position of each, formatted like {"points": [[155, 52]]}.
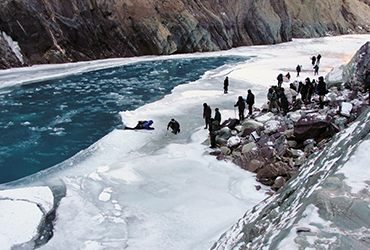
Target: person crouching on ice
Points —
{"points": [[174, 125], [142, 125]]}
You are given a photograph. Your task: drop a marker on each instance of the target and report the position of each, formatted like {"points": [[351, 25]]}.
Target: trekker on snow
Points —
{"points": [[280, 79], [310, 90], [217, 115], [207, 112], [241, 106], [142, 125], [273, 100], [174, 125], [250, 101], [226, 85], [318, 59], [321, 91], [214, 127], [313, 60], [298, 69], [316, 68], [284, 102]]}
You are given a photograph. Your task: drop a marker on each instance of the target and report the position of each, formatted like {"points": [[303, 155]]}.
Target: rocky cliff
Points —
{"points": [[58, 31]]}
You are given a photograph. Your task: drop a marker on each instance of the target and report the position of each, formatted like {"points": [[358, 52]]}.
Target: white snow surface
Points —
{"points": [[148, 190]]}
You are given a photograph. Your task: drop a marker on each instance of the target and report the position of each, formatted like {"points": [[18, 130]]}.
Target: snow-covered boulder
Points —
{"points": [[346, 108]]}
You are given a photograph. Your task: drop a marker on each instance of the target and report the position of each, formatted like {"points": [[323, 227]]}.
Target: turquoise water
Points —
{"points": [[45, 123]]}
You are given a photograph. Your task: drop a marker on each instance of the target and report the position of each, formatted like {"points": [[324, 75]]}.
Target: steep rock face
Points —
{"points": [[319, 18], [354, 72], [62, 31]]}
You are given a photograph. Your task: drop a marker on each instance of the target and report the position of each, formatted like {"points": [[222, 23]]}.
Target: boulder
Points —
{"points": [[281, 145], [295, 116], [255, 165], [233, 141], [272, 126], [266, 141], [248, 147], [252, 124], [271, 171], [264, 155], [278, 183], [311, 126], [346, 108], [266, 117], [225, 150]]}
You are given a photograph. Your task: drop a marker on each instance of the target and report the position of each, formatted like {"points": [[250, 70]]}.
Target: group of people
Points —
{"points": [[241, 103], [315, 61], [281, 99]]}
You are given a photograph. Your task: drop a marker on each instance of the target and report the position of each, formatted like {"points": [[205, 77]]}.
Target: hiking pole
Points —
{"points": [[166, 132]]}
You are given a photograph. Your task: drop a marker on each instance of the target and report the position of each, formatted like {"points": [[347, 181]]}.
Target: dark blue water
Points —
{"points": [[45, 123]]}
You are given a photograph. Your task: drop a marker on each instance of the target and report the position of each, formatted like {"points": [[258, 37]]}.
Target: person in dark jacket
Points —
{"points": [[142, 125], [217, 115], [207, 113], [318, 59], [284, 102], [226, 85], [310, 90], [273, 100], [321, 91], [250, 101], [313, 60], [280, 79], [241, 106], [316, 69], [293, 91], [214, 128], [174, 125], [298, 69], [304, 89]]}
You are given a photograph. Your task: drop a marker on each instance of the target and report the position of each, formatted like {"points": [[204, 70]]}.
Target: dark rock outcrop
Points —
{"points": [[59, 31]]}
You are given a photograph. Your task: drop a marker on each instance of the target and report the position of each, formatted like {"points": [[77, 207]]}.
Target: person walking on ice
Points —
{"points": [[298, 69], [226, 85]]}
